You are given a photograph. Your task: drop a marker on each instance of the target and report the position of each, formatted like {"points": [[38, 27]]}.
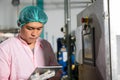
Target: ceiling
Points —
{"points": [[59, 4]]}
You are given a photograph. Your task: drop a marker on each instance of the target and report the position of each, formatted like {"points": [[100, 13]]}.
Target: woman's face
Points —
{"points": [[31, 31]]}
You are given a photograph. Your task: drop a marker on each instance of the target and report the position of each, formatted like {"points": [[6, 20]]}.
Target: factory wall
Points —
{"points": [[8, 14]]}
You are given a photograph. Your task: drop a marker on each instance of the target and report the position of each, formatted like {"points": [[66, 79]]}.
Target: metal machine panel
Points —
{"points": [[97, 12]]}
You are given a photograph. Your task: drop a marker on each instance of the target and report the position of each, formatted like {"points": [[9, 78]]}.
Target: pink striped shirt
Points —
{"points": [[18, 61]]}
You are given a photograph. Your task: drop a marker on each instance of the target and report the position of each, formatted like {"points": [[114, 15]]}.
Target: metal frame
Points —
{"points": [[87, 60], [107, 40]]}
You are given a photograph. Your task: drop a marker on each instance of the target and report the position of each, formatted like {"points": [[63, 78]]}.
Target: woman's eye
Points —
{"points": [[29, 28], [39, 28]]}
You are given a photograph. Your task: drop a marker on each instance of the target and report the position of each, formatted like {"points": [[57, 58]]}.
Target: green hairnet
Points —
{"points": [[31, 14]]}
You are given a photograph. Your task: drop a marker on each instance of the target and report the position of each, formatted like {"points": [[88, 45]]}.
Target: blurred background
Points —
{"points": [[84, 34]]}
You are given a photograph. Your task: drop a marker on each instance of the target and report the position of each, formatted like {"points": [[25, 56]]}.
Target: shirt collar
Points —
{"points": [[38, 41]]}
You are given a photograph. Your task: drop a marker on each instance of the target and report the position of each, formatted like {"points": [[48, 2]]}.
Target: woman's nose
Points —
{"points": [[34, 33]]}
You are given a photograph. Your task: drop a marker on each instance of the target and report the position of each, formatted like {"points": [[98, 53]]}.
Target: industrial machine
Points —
{"points": [[94, 23]]}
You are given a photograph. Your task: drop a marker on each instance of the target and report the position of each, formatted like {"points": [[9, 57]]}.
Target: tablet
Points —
{"points": [[45, 72]]}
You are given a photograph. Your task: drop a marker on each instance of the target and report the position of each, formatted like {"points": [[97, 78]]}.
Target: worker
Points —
{"points": [[22, 54]]}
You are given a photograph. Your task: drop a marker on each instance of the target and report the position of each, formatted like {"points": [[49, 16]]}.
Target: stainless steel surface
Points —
{"points": [[107, 39], [67, 16], [98, 12]]}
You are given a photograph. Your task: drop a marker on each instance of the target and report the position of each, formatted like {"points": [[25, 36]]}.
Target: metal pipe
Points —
{"points": [[67, 13]]}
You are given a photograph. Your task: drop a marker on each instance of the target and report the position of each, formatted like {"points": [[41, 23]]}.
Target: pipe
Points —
{"points": [[67, 12]]}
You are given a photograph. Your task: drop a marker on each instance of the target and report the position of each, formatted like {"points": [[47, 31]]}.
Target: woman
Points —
{"points": [[20, 55]]}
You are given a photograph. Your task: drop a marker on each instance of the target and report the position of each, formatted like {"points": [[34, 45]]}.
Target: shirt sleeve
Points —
{"points": [[4, 65], [50, 53], [53, 61]]}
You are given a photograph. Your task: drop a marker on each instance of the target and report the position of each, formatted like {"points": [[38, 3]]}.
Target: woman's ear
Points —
{"points": [[18, 23]]}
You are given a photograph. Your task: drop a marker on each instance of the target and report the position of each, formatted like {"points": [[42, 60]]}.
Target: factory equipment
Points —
{"points": [[68, 38], [6, 33], [88, 41], [15, 2], [96, 31], [62, 56], [62, 53]]}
